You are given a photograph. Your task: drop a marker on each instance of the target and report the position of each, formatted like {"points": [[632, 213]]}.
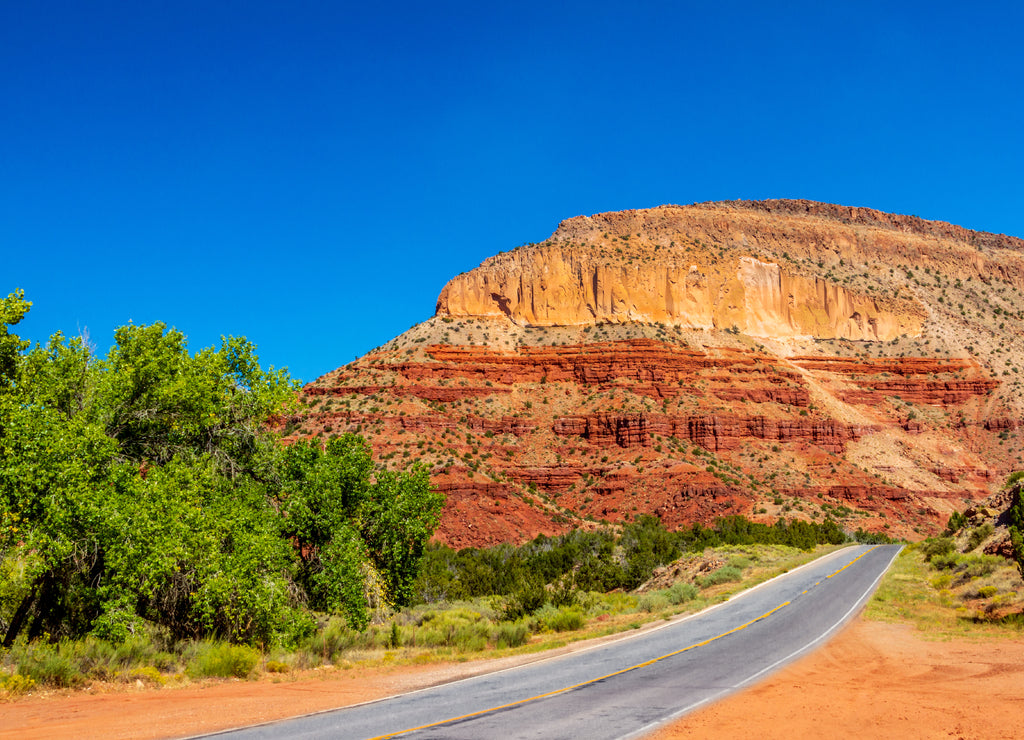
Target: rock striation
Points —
{"points": [[553, 285], [774, 358]]}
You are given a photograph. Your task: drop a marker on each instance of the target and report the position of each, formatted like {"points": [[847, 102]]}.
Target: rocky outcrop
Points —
{"points": [[781, 358], [555, 285], [712, 432]]}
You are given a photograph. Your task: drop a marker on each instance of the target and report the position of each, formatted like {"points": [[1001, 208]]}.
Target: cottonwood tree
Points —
{"points": [[146, 488]]}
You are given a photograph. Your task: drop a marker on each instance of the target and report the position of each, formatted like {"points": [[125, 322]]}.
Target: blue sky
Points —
{"points": [[310, 174]]}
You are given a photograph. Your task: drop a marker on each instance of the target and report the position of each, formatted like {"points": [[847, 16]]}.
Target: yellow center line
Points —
{"points": [[646, 663], [652, 661], [851, 562]]}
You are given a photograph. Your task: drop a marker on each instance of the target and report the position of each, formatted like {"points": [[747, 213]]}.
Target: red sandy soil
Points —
{"points": [[872, 680], [877, 680]]}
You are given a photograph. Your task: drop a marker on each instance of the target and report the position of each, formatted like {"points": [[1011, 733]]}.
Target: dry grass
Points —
{"points": [[941, 608]]}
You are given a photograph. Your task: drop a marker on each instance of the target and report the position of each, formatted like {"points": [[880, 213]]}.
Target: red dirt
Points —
{"points": [[552, 437], [877, 680], [872, 680]]}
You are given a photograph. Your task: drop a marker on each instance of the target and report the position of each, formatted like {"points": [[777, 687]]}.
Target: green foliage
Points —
{"points": [[222, 660], [49, 664], [510, 634], [872, 538], [527, 598], [652, 602], [645, 545], [937, 547], [12, 310], [554, 619], [583, 561], [680, 593], [978, 535], [725, 574], [144, 488], [398, 518], [956, 522], [455, 628], [1017, 518]]}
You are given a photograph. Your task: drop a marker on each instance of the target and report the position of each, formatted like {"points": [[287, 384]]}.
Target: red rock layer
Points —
{"points": [[545, 438]]}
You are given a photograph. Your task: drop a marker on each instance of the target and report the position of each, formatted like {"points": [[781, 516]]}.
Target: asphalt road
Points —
{"points": [[628, 687]]}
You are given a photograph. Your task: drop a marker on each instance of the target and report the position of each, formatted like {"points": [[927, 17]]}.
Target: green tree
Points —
{"points": [[12, 310], [321, 493], [396, 520], [1017, 519], [146, 487]]}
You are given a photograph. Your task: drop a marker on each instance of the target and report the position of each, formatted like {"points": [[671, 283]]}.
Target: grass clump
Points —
{"points": [[680, 593], [49, 663], [222, 660], [725, 574], [510, 634], [555, 619], [651, 602]]}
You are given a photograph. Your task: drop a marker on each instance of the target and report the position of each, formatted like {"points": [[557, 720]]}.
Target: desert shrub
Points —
{"points": [[564, 593], [223, 660], [330, 642], [680, 593], [510, 634], [50, 664], [461, 629], [395, 636], [955, 523], [725, 574], [945, 561], [978, 535], [15, 684], [652, 601], [977, 566], [146, 674], [938, 546], [559, 620], [982, 592], [739, 561], [136, 650], [526, 599], [276, 666], [95, 658]]}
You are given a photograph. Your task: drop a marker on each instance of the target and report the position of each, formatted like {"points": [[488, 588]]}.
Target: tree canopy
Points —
{"points": [[145, 487]]}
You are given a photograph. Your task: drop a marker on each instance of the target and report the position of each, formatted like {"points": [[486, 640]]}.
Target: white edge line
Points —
{"points": [[630, 635], [685, 710]]}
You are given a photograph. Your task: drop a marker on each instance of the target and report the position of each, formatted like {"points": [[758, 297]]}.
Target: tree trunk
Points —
{"points": [[20, 615]]}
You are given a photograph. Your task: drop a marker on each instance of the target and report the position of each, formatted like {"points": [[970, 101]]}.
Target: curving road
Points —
{"points": [[628, 687]]}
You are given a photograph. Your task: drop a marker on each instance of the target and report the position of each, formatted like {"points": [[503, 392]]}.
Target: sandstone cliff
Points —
{"points": [[554, 285]]}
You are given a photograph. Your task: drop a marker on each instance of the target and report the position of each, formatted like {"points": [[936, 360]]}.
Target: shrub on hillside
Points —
{"points": [[680, 593], [937, 547], [653, 601], [725, 574]]}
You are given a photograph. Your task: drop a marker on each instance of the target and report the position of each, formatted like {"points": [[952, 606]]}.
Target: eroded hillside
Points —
{"points": [[770, 358]]}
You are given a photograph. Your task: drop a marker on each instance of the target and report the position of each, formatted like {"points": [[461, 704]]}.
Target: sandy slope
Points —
{"points": [[872, 680]]}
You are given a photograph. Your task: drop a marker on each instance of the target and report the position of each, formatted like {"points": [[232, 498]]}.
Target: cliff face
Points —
{"points": [[781, 358], [559, 286]]}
